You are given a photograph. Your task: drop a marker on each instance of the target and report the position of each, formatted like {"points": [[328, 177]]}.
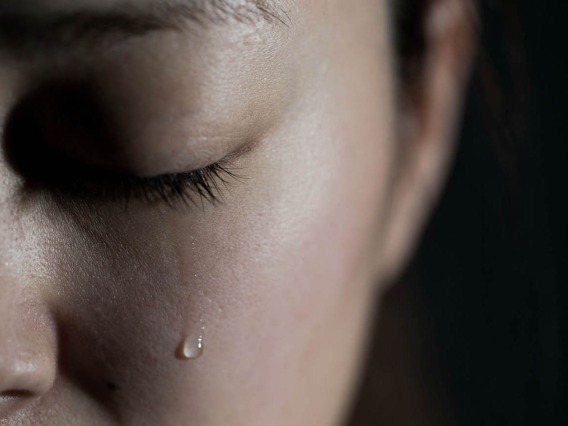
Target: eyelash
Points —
{"points": [[189, 188], [206, 185]]}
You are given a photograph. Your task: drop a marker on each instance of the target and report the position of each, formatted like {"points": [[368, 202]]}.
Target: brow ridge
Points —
{"points": [[29, 33]]}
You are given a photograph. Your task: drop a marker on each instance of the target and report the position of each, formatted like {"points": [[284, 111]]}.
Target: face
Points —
{"points": [[193, 208]]}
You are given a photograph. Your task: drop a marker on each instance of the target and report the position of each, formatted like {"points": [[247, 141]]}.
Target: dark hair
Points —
{"points": [[409, 36], [500, 72]]}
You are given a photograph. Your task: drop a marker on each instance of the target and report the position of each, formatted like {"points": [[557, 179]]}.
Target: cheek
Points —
{"points": [[284, 263], [269, 274], [119, 303], [274, 274]]}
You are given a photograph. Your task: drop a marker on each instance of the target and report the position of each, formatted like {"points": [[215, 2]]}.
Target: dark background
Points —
{"points": [[476, 331]]}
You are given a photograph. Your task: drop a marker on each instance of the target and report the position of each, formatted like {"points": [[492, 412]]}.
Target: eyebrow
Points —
{"points": [[31, 33]]}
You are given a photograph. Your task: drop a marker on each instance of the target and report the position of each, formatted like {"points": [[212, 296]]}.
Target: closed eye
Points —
{"points": [[33, 148], [71, 180], [189, 188]]}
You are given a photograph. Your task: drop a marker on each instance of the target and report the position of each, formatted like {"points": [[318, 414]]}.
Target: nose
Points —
{"points": [[27, 352], [27, 335]]}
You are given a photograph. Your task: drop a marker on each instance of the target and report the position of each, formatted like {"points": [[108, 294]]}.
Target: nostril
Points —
{"points": [[13, 400], [14, 394]]}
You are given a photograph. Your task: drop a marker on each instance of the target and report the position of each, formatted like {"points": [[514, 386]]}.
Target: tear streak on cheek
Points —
{"points": [[118, 280]]}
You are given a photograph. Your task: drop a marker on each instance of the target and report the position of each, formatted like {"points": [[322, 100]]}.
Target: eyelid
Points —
{"points": [[68, 180], [207, 184], [53, 169], [194, 188]]}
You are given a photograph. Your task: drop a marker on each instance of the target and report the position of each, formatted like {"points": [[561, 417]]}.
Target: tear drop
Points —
{"points": [[192, 345]]}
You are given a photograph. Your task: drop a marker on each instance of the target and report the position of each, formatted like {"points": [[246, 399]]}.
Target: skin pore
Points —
{"points": [[330, 177]]}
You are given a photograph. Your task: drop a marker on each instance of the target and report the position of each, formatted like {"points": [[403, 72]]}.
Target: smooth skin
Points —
{"points": [[338, 168]]}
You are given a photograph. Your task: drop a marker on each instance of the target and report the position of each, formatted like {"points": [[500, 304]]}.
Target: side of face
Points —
{"points": [[103, 302]]}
